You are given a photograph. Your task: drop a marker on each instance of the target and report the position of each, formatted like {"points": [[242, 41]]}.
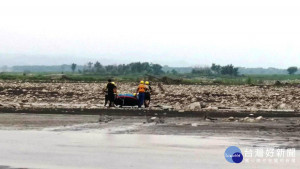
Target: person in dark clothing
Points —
{"points": [[111, 89], [147, 94]]}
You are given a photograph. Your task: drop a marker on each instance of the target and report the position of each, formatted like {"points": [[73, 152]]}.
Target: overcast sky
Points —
{"points": [[250, 33]]}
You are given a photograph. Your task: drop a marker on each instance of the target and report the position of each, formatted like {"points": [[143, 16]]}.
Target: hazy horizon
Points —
{"points": [[256, 33]]}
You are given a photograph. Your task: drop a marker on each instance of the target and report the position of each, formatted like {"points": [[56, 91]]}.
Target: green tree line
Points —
{"points": [[217, 70], [121, 69]]}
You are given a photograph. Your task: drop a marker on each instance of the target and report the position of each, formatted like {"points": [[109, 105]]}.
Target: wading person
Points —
{"points": [[141, 90], [111, 89], [147, 94]]}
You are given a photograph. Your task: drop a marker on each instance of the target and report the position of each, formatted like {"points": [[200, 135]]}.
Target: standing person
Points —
{"points": [[147, 94], [141, 90], [111, 88]]}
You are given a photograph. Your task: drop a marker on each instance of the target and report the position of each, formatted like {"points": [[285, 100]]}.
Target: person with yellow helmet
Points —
{"points": [[141, 90], [147, 94], [115, 88]]}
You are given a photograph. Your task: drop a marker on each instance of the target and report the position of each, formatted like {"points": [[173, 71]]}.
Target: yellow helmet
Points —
{"points": [[113, 83], [142, 82], [147, 82]]}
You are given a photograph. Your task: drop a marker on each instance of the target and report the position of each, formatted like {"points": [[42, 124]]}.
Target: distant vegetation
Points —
{"points": [[292, 70], [73, 67], [92, 68], [166, 69], [217, 70], [123, 69], [96, 72]]}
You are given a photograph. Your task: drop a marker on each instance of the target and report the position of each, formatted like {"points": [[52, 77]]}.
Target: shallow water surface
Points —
{"points": [[91, 149]]}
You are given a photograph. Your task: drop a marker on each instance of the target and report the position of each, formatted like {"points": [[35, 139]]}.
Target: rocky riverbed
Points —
{"points": [[177, 97]]}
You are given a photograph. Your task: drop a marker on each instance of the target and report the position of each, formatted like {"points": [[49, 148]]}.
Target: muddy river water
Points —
{"points": [[67, 142]]}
